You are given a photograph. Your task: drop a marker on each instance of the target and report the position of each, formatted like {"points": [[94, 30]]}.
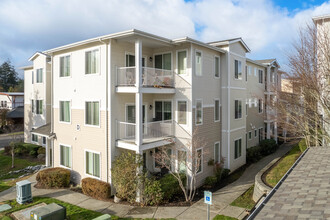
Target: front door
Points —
{"points": [[130, 118]]}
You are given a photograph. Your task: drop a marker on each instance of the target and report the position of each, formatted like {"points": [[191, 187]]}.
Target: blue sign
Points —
{"points": [[208, 197]]}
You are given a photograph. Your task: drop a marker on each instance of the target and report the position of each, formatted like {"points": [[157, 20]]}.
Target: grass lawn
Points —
{"points": [[278, 171], [222, 217], [245, 200], [5, 164]]}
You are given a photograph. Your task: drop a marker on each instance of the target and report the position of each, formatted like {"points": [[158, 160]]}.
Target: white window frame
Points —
{"points": [[219, 159], [240, 77], [35, 107], [249, 70], [240, 138], [42, 76], [173, 168], [215, 109], [255, 133], [177, 63], [261, 133], [255, 71], [90, 50], [199, 100], [202, 161], [59, 112], [65, 145], [154, 107], [235, 109], [85, 163], [177, 111], [260, 106], [161, 53], [250, 135], [88, 125], [217, 77], [32, 77], [42, 140], [59, 62], [201, 73], [32, 141], [262, 77]]}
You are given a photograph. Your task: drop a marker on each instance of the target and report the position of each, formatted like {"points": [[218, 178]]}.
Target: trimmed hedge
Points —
{"points": [[96, 188], [170, 186], [54, 178]]}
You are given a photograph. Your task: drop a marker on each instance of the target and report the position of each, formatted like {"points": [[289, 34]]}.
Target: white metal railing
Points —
{"points": [[151, 130], [151, 77]]}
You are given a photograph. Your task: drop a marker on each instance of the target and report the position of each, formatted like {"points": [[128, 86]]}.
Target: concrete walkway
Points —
{"points": [[221, 198]]}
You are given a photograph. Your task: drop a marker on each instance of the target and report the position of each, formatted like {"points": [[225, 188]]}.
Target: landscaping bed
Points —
{"points": [[245, 200]]}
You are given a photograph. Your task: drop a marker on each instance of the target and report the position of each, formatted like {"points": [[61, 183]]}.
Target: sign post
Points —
{"points": [[208, 201]]}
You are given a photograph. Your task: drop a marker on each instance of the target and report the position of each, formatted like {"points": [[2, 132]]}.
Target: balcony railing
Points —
{"points": [[151, 77], [152, 131]]}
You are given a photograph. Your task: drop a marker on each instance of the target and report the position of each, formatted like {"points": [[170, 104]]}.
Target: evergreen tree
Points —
{"points": [[8, 76]]}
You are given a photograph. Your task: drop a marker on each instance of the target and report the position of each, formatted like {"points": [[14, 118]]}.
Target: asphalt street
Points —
{"points": [[5, 139]]}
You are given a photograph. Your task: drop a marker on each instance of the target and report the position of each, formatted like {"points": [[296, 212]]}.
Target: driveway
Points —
{"points": [[305, 192], [5, 139]]}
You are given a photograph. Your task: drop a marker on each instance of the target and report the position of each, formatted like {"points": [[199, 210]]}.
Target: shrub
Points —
{"points": [[302, 145], [96, 188], [210, 181], [170, 185], [225, 173], [268, 146], [54, 177], [41, 150], [25, 149], [7, 150], [253, 154], [152, 192], [124, 175]]}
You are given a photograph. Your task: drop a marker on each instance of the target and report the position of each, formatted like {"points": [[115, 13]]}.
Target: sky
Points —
{"points": [[269, 27]]}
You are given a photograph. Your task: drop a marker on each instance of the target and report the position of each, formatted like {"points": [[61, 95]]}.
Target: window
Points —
{"points": [[92, 61], [182, 62], [65, 156], [168, 155], [130, 60], [65, 66], [250, 70], [5, 103], [217, 152], [238, 109], [32, 77], [238, 148], [199, 112], [92, 114], [39, 75], [216, 110], [65, 111], [260, 105], [163, 61], [39, 107], [34, 138], [255, 71], [199, 161], [261, 73], [93, 164], [198, 63], [255, 133], [182, 112], [246, 73], [217, 67], [44, 140], [182, 159], [238, 69], [33, 106], [250, 135], [261, 134], [163, 110]]}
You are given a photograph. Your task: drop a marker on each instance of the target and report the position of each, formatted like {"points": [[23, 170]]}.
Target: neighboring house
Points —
{"points": [[11, 100], [90, 100]]}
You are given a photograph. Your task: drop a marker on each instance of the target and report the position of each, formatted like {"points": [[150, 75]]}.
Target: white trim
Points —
{"points": [[59, 64], [162, 53], [214, 57], [177, 63], [233, 130], [201, 52], [145, 104], [59, 112], [202, 161], [32, 141], [87, 125], [239, 61], [99, 64], [233, 87], [197, 100], [219, 159], [85, 164], [42, 76], [65, 145], [250, 136], [162, 100], [217, 99], [255, 133], [237, 55], [241, 109], [177, 111], [240, 138]]}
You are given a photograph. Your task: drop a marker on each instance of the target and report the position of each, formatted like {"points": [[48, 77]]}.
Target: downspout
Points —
{"points": [[106, 110], [229, 113], [51, 108]]}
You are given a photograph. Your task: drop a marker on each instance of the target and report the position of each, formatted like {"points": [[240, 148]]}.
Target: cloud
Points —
{"points": [[34, 25]]}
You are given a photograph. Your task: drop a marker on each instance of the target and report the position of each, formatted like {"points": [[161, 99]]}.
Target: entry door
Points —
{"points": [[130, 60], [130, 118]]}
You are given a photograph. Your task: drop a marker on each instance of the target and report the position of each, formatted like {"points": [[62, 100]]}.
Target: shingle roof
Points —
{"points": [[43, 130], [16, 112]]}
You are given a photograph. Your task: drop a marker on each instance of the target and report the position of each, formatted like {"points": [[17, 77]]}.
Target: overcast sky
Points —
{"points": [[267, 26]]}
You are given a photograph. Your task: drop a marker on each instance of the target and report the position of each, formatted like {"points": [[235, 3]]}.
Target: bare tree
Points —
{"points": [[14, 140], [305, 113], [187, 162]]}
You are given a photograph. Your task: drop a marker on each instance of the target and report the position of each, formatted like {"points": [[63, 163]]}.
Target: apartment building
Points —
{"points": [[11, 100], [137, 91]]}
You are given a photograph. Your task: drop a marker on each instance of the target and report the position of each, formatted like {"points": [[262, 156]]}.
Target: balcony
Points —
{"points": [[153, 80], [155, 134]]}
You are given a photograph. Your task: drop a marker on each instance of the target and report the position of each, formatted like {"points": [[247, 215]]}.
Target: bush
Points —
{"points": [[253, 154], [170, 185], [152, 192], [268, 146], [124, 175], [210, 181], [25, 149], [225, 173], [7, 150], [41, 150], [54, 177], [96, 188], [302, 145]]}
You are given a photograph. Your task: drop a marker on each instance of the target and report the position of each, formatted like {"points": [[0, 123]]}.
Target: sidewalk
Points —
{"points": [[221, 198]]}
